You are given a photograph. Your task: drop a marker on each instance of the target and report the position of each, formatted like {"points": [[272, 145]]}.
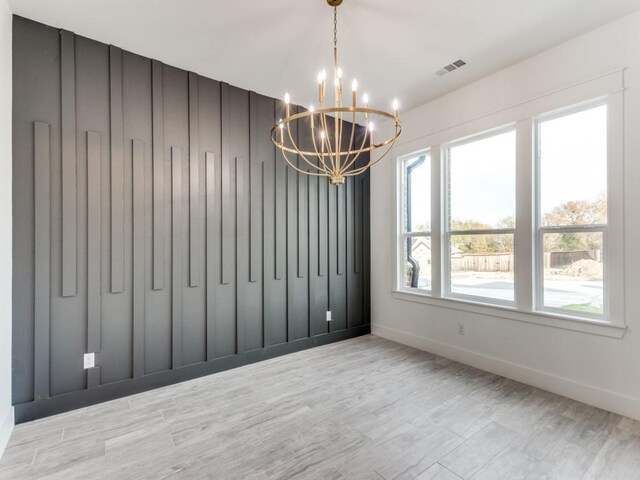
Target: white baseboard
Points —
{"points": [[5, 430], [598, 397]]}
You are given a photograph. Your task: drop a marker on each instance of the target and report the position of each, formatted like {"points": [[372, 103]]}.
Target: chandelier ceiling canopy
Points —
{"points": [[337, 148]]}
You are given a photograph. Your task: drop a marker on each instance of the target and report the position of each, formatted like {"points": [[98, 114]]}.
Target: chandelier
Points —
{"points": [[335, 156]]}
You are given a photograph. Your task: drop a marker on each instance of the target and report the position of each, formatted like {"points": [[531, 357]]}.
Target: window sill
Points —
{"points": [[594, 327]]}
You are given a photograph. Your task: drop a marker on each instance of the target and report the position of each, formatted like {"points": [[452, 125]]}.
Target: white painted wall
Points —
{"points": [[595, 369], [6, 410]]}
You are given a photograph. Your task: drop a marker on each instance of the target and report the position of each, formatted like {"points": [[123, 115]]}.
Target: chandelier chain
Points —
{"points": [[335, 27], [335, 37]]}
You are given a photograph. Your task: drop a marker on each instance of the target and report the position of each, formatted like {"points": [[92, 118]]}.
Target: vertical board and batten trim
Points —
{"points": [[211, 251], [69, 163], [241, 206], [256, 182], [42, 260], [268, 228], [349, 251], [158, 174], [117, 170], [366, 249], [94, 215], [94, 270], [291, 231], [323, 223], [194, 194], [302, 239], [139, 224], [280, 220], [357, 237], [227, 223], [340, 230], [225, 233], [176, 257], [262, 250]]}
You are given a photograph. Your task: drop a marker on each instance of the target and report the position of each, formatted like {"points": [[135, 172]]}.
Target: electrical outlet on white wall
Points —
{"points": [[89, 360], [328, 315], [461, 329]]}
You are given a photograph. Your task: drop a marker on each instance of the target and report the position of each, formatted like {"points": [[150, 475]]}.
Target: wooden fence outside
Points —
{"points": [[486, 262], [503, 262]]}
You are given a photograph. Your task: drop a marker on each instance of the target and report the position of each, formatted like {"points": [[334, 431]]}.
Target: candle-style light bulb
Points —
{"points": [[365, 99], [395, 106], [354, 88], [338, 85], [312, 109], [322, 135], [321, 77], [287, 100], [371, 126]]}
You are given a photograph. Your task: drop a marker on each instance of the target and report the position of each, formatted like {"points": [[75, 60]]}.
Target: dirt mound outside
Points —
{"points": [[584, 269]]}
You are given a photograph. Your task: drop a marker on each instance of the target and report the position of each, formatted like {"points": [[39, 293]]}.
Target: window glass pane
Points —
{"points": [[573, 168], [482, 183], [482, 266], [418, 194], [417, 263], [573, 271]]}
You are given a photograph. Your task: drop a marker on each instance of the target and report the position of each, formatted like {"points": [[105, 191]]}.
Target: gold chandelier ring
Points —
{"points": [[323, 111]]}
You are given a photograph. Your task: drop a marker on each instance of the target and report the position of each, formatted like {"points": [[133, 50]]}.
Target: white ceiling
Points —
{"points": [[393, 47]]}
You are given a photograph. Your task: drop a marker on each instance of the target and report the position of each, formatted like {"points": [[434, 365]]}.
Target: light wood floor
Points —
{"points": [[365, 408]]}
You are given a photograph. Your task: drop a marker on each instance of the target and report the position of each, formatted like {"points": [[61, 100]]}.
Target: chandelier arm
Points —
{"points": [[311, 164], [318, 155], [295, 147], [326, 140], [353, 131], [339, 139], [360, 150], [370, 164], [285, 149], [305, 172]]}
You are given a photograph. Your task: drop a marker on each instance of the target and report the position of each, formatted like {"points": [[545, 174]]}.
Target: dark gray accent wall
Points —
{"points": [[156, 225]]}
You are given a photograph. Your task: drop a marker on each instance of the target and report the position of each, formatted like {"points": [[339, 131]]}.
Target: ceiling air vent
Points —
{"points": [[451, 67]]}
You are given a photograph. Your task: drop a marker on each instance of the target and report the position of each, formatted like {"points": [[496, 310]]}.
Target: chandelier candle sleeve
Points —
{"points": [[335, 156]]}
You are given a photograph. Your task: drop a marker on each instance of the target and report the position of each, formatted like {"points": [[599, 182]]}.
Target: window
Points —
{"points": [[480, 227], [572, 212], [521, 216], [416, 222]]}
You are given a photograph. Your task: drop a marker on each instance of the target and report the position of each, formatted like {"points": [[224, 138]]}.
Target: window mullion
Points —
{"points": [[488, 231], [524, 234], [573, 228], [436, 221]]}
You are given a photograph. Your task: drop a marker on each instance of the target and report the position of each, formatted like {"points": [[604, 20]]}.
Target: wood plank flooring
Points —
{"points": [[361, 409]]}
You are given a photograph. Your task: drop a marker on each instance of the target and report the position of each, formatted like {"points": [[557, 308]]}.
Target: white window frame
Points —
{"points": [[541, 230], [607, 88], [403, 233], [447, 232]]}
